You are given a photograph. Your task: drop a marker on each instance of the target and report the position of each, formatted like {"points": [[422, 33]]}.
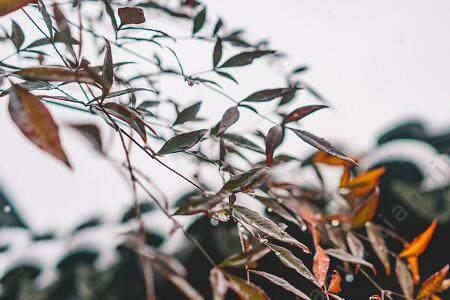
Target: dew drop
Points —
{"points": [[7, 209], [335, 223], [214, 222], [349, 277]]}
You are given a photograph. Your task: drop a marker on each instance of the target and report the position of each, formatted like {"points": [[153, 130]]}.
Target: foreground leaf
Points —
{"points": [[245, 290], [321, 264], [432, 284], [335, 283], [413, 265], [199, 21], [363, 184], [182, 142], [420, 243], [266, 226], [8, 6], [36, 123], [230, 117], [291, 261], [302, 112], [131, 15], [379, 245], [322, 144], [273, 139], [245, 58], [404, 277], [282, 283], [57, 74], [243, 181], [365, 211]]}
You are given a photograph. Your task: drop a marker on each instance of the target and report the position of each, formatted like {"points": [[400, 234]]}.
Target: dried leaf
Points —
{"points": [[267, 94], [199, 21], [432, 284], [355, 245], [420, 243], [321, 264], [245, 290], [322, 144], [57, 74], [230, 117], [8, 6], [188, 114], [404, 278], [217, 54], [36, 123], [379, 245], [365, 211], [245, 58], [108, 71], [182, 142], [131, 15], [289, 260], [344, 256], [363, 184], [282, 283], [265, 225], [335, 283], [273, 139], [302, 112]]}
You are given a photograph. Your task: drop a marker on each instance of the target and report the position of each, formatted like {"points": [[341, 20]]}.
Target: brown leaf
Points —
{"points": [[365, 211], [302, 112], [344, 256], [404, 277], [184, 286], [36, 123], [217, 54], [268, 94], [379, 245], [244, 258], [230, 117], [131, 15], [363, 184], [420, 243], [273, 140], [335, 283], [108, 71], [432, 284], [321, 264], [8, 6], [58, 74]]}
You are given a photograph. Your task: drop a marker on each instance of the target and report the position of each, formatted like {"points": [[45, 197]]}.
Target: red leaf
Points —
{"points": [[35, 122], [131, 15], [363, 184], [273, 140], [302, 112], [335, 284], [58, 74], [321, 263]]}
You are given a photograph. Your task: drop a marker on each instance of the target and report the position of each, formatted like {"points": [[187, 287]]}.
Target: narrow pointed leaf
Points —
{"points": [[184, 286], [17, 35], [46, 17], [217, 54], [344, 256], [322, 144], [420, 243], [57, 74], [230, 117], [245, 290], [245, 58], [282, 283], [188, 114], [197, 204], [432, 284], [243, 181], [267, 94], [321, 264], [273, 139], [413, 266], [108, 71], [291, 261], [365, 211], [302, 112], [404, 277], [182, 142], [364, 183], [244, 258], [92, 133], [199, 21], [243, 142], [355, 245], [379, 245], [36, 123]]}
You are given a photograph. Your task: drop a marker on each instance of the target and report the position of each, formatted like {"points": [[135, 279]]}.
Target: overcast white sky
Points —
{"points": [[378, 62]]}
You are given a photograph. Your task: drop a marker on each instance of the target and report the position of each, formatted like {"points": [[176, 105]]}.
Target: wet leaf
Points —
{"points": [[267, 94], [243, 181], [432, 284], [366, 210], [36, 123], [230, 117], [273, 139], [217, 54], [322, 144], [182, 142], [219, 284], [282, 283], [92, 133], [289, 260], [302, 112], [8, 6], [379, 245], [344, 256], [420, 243], [245, 58], [57, 74], [335, 283], [266, 226], [188, 114], [199, 21], [245, 290], [125, 114], [244, 258], [17, 35], [108, 71], [131, 15], [404, 277], [363, 184]]}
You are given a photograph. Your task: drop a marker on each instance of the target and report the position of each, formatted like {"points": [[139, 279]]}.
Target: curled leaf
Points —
{"points": [[420, 243], [36, 123], [244, 258]]}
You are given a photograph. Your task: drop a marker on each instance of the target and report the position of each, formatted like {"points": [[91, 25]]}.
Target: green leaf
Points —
{"points": [[182, 142], [267, 94], [17, 35], [266, 226], [282, 283], [245, 58], [217, 27], [322, 144], [199, 21], [289, 260], [217, 54], [188, 114], [201, 203], [226, 75]]}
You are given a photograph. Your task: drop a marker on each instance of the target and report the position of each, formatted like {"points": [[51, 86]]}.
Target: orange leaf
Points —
{"points": [[335, 284], [59, 74], [363, 184], [413, 265], [321, 263], [34, 120], [420, 243], [365, 211], [434, 297], [8, 6], [345, 178], [432, 284], [325, 158]]}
